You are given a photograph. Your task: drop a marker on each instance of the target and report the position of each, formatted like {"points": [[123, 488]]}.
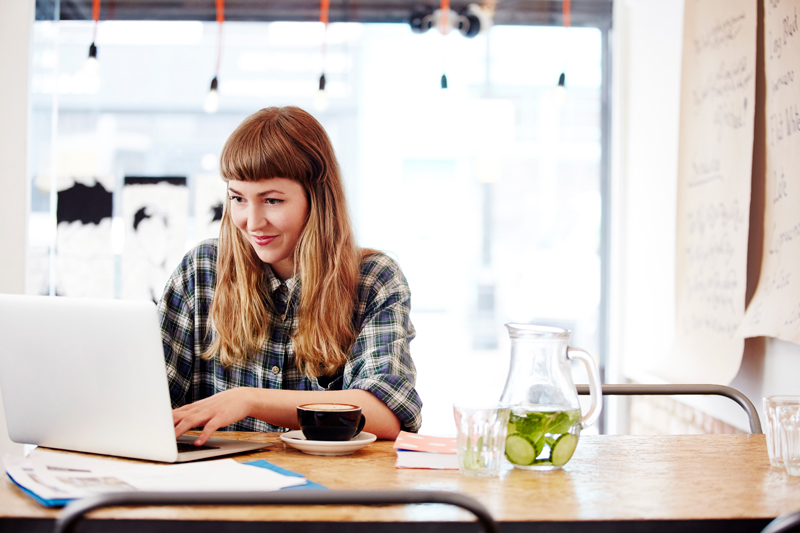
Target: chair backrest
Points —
{"points": [[675, 390], [75, 511], [784, 523]]}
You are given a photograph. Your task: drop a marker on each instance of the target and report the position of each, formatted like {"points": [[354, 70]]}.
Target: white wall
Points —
{"points": [[15, 25], [646, 58]]}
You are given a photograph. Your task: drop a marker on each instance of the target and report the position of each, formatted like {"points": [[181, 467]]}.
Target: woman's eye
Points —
{"points": [[237, 199], [273, 201]]}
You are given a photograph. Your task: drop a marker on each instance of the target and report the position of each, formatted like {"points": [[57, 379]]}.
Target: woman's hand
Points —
{"points": [[212, 413]]}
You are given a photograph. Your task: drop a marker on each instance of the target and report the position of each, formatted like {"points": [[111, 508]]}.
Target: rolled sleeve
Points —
{"points": [[380, 361]]}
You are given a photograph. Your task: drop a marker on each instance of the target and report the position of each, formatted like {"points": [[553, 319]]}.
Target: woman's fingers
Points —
{"points": [[211, 413], [209, 428]]}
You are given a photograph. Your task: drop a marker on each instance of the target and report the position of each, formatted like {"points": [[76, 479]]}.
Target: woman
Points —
{"points": [[284, 309]]}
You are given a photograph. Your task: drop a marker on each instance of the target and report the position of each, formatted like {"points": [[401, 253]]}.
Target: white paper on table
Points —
{"points": [[21, 471], [219, 476], [434, 461], [75, 476]]}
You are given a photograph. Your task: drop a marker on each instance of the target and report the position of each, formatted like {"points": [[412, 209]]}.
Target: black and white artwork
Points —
{"points": [[154, 214], [208, 205], [84, 255]]}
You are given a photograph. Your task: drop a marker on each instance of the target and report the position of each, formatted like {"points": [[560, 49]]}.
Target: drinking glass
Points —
{"points": [[776, 437], [789, 420], [481, 438]]}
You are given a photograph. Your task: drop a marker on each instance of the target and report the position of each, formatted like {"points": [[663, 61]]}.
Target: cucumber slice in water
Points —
{"points": [[519, 451], [563, 449]]}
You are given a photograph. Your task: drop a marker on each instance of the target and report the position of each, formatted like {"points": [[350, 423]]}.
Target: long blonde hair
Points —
{"points": [[288, 142]]}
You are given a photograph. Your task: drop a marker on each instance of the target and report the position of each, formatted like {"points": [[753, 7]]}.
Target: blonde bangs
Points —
{"points": [[260, 148]]}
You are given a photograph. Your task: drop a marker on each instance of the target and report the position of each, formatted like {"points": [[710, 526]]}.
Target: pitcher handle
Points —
{"points": [[595, 391]]}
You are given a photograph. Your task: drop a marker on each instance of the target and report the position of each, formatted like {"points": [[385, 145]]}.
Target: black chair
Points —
{"points": [[784, 523], [75, 511], [673, 390]]}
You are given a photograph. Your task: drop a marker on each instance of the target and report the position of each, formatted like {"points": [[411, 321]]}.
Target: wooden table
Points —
{"points": [[613, 483]]}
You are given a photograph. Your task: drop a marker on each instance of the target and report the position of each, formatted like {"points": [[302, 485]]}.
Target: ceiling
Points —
{"points": [[596, 13]]}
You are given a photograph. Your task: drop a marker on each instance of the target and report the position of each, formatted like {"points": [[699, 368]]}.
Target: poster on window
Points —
{"points": [[714, 183], [209, 200], [154, 213], [774, 310], [84, 257]]}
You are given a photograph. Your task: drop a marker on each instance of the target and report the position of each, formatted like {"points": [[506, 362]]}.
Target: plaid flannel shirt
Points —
{"points": [[379, 361]]}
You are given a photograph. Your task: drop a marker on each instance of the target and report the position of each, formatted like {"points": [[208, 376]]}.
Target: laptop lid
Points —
{"points": [[88, 375]]}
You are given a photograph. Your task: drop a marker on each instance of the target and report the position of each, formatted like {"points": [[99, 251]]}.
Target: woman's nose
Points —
{"points": [[255, 219]]}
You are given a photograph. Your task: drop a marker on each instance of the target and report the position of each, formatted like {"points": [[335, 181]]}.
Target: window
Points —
{"points": [[488, 193]]}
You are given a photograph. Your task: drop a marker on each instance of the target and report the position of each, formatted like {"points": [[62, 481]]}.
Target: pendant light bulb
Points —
{"points": [[444, 81], [91, 67], [321, 99], [211, 105], [559, 94]]}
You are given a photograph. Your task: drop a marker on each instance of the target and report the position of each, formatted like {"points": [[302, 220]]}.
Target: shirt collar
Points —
{"points": [[274, 282]]}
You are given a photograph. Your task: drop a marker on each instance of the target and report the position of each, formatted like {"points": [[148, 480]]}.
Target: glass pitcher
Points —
{"points": [[545, 421]]}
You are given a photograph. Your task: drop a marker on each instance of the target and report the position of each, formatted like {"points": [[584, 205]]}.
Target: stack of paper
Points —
{"points": [[423, 451], [54, 478]]}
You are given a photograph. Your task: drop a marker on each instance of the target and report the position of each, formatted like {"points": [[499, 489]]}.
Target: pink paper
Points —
{"points": [[425, 443]]}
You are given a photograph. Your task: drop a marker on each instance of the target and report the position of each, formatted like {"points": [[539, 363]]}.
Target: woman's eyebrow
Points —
{"points": [[263, 193]]}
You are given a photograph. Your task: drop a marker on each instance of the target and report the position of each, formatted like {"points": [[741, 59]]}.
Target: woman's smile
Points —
{"points": [[263, 240]]}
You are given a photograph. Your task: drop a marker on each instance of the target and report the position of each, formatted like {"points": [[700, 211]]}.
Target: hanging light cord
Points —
{"points": [[489, 7], [220, 4], [444, 15], [324, 8], [567, 16], [96, 18]]}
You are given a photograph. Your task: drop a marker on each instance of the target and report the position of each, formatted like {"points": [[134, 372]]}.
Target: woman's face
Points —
{"points": [[271, 215]]}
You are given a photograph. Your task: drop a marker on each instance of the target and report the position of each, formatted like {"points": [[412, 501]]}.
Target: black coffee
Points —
{"points": [[337, 422]]}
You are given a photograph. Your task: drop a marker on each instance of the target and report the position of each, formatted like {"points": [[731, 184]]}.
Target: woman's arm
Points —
{"points": [[380, 361], [279, 408]]}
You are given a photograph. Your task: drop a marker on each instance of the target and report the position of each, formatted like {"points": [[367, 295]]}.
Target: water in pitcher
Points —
{"points": [[542, 437]]}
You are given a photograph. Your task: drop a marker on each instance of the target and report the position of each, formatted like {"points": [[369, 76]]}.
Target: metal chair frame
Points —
{"points": [[76, 510], [685, 390], [784, 523]]}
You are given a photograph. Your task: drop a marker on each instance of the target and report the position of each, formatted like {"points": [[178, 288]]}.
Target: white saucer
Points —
{"points": [[296, 439]]}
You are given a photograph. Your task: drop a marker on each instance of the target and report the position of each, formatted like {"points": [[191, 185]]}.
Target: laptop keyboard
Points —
{"points": [[184, 448]]}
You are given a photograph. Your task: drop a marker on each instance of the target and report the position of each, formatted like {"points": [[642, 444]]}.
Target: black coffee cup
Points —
{"points": [[330, 421]]}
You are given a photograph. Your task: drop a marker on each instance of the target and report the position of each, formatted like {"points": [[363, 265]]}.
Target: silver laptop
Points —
{"points": [[88, 375]]}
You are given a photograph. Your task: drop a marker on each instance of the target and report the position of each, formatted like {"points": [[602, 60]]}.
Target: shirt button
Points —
{"points": [[276, 369]]}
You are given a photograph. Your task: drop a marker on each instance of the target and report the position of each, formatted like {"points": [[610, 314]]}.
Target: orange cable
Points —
{"points": [[323, 11], [444, 10], [565, 7], [220, 5], [324, 7], [95, 17]]}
